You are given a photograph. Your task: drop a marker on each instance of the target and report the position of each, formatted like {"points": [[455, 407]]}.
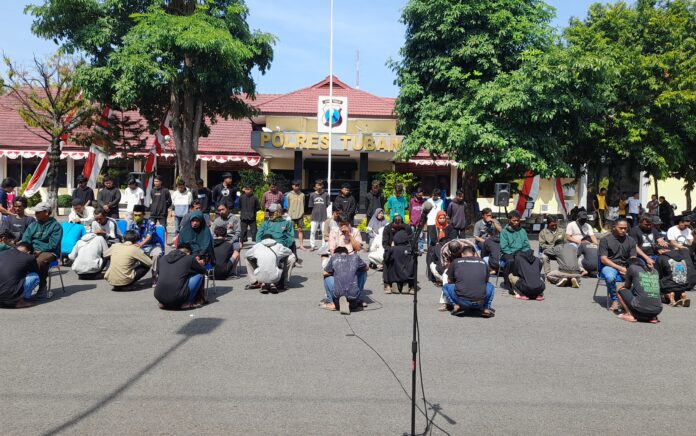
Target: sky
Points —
{"points": [[301, 56]]}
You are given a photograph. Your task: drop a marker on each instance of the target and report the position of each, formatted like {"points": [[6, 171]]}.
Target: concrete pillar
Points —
{"points": [[204, 172], [362, 199], [582, 191], [137, 165], [454, 179], [297, 174], [644, 188], [266, 166], [3, 168], [71, 173]]}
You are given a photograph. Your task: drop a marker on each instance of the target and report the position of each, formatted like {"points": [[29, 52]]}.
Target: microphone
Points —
{"points": [[427, 207]]}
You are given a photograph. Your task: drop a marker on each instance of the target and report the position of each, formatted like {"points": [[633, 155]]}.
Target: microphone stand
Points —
{"points": [[414, 343]]}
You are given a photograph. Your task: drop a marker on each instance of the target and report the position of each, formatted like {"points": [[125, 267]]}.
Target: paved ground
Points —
{"points": [[98, 362]]}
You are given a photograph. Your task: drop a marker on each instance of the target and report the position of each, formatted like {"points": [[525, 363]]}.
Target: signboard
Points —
{"points": [[332, 111], [376, 142]]}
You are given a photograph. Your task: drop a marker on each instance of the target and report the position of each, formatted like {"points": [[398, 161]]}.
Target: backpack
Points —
{"points": [[679, 271]]}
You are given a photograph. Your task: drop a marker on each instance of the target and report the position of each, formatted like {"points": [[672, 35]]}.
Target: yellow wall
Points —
{"points": [[282, 164], [545, 197], [672, 190], [305, 124]]}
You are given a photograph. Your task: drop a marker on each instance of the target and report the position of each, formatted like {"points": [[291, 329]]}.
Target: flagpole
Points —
{"points": [[331, 35]]}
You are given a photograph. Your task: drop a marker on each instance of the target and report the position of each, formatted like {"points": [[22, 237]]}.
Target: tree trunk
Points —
{"points": [[687, 193], [52, 174], [656, 190], [186, 117], [470, 190]]}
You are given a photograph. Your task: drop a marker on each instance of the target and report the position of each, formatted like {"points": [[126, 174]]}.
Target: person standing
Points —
{"points": [[318, 201], [223, 193], [133, 196], [272, 196], [600, 207], [83, 193], [181, 202], [296, 202], [8, 185], [374, 200], [347, 202], [456, 212], [204, 195], [438, 205], [248, 206], [666, 213], [634, 208], [415, 210], [653, 205], [44, 235], [160, 202], [109, 198], [396, 204]]}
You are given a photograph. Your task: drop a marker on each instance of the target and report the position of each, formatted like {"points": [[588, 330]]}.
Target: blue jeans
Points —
{"points": [[31, 282], [451, 295], [329, 285], [194, 283], [177, 224], [610, 278]]}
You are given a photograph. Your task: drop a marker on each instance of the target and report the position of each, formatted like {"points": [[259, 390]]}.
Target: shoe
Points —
{"points": [[686, 302], [575, 283], [562, 282], [343, 305]]}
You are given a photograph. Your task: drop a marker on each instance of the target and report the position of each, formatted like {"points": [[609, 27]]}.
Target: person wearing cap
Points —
{"points": [[83, 193], [679, 235], [223, 192], [44, 235], [577, 230], [8, 185], [133, 196], [657, 225], [81, 214], [109, 198]]}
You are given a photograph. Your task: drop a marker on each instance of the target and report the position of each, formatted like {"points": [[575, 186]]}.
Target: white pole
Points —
{"points": [[328, 178]]}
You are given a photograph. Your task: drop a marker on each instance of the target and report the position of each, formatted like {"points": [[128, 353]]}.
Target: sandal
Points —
{"points": [[443, 308], [388, 290], [521, 297], [685, 302], [329, 306], [540, 298]]}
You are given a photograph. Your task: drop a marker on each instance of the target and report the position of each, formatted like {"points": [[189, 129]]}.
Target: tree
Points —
{"points": [[453, 54], [190, 59], [48, 100]]}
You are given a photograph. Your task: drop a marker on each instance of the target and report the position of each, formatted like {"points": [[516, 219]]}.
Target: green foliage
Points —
{"points": [[64, 200], [253, 178], [193, 59], [34, 199], [362, 227], [389, 179]]}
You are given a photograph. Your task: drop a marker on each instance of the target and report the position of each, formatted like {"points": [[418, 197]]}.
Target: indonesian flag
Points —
{"points": [[161, 137], [558, 193], [97, 156], [529, 193], [37, 179]]}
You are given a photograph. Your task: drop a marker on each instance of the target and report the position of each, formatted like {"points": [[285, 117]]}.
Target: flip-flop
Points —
{"points": [[686, 302], [521, 297], [540, 298]]}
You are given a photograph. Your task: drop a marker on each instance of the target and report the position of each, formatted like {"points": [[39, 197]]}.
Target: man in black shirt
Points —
{"points": [[223, 193], [615, 251], [248, 206], [160, 202], [347, 203], [204, 195], [640, 296], [677, 275], [19, 276], [647, 238], [588, 250], [18, 222], [83, 192], [467, 286], [224, 261], [181, 280], [374, 200], [109, 197]]}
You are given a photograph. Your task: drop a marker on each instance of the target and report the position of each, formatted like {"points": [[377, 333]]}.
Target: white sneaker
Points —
{"points": [[575, 283], [562, 282]]}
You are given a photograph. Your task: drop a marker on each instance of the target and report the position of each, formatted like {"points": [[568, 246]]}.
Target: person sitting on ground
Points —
{"points": [[232, 225], [225, 260], [81, 214], [197, 237], [657, 225], [677, 275], [391, 229], [467, 288], [377, 222], [127, 263], [345, 236], [160, 202], [649, 240], [485, 228], [106, 227], [549, 239], [679, 235], [87, 256], [269, 265], [577, 230], [44, 236], [376, 251], [196, 206], [72, 232], [330, 225], [181, 280], [615, 251], [18, 222], [490, 252], [589, 252], [109, 198], [568, 272], [513, 239], [640, 295], [526, 280], [344, 281], [19, 276], [442, 231], [399, 264]]}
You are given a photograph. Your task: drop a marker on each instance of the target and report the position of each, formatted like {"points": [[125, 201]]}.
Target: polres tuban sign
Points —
{"points": [[374, 142]]}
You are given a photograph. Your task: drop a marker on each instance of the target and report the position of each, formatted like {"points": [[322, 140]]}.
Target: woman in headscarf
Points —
{"points": [[376, 222], [195, 233], [441, 232], [399, 264], [392, 229]]}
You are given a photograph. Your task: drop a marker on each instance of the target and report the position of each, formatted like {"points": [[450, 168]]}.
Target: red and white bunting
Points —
{"points": [[97, 156]]}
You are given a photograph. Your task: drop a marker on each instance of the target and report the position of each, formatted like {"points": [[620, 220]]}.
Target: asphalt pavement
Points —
{"points": [[97, 362]]}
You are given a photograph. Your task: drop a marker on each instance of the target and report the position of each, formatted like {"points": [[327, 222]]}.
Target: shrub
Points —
{"points": [[390, 178], [64, 200]]}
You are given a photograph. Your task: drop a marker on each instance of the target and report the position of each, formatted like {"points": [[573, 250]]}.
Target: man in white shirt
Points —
{"points": [[81, 214], [132, 195], [579, 229], [634, 208], [680, 236]]}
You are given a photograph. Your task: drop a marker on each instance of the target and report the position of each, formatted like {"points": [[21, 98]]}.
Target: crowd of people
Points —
{"points": [[643, 262]]}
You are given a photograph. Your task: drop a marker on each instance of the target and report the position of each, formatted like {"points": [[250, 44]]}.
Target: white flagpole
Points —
{"points": [[328, 181]]}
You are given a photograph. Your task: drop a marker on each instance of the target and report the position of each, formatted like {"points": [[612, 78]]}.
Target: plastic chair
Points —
{"points": [[600, 277], [53, 267], [122, 226], [501, 265]]}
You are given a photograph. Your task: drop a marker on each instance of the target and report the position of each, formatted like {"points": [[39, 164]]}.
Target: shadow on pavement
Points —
{"points": [[195, 327]]}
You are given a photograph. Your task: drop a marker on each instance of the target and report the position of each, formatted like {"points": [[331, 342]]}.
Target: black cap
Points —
{"points": [[582, 215], [226, 175]]}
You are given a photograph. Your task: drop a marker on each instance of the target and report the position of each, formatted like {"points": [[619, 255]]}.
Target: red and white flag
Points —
{"points": [[37, 179], [529, 192], [97, 156], [558, 192], [162, 136]]}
